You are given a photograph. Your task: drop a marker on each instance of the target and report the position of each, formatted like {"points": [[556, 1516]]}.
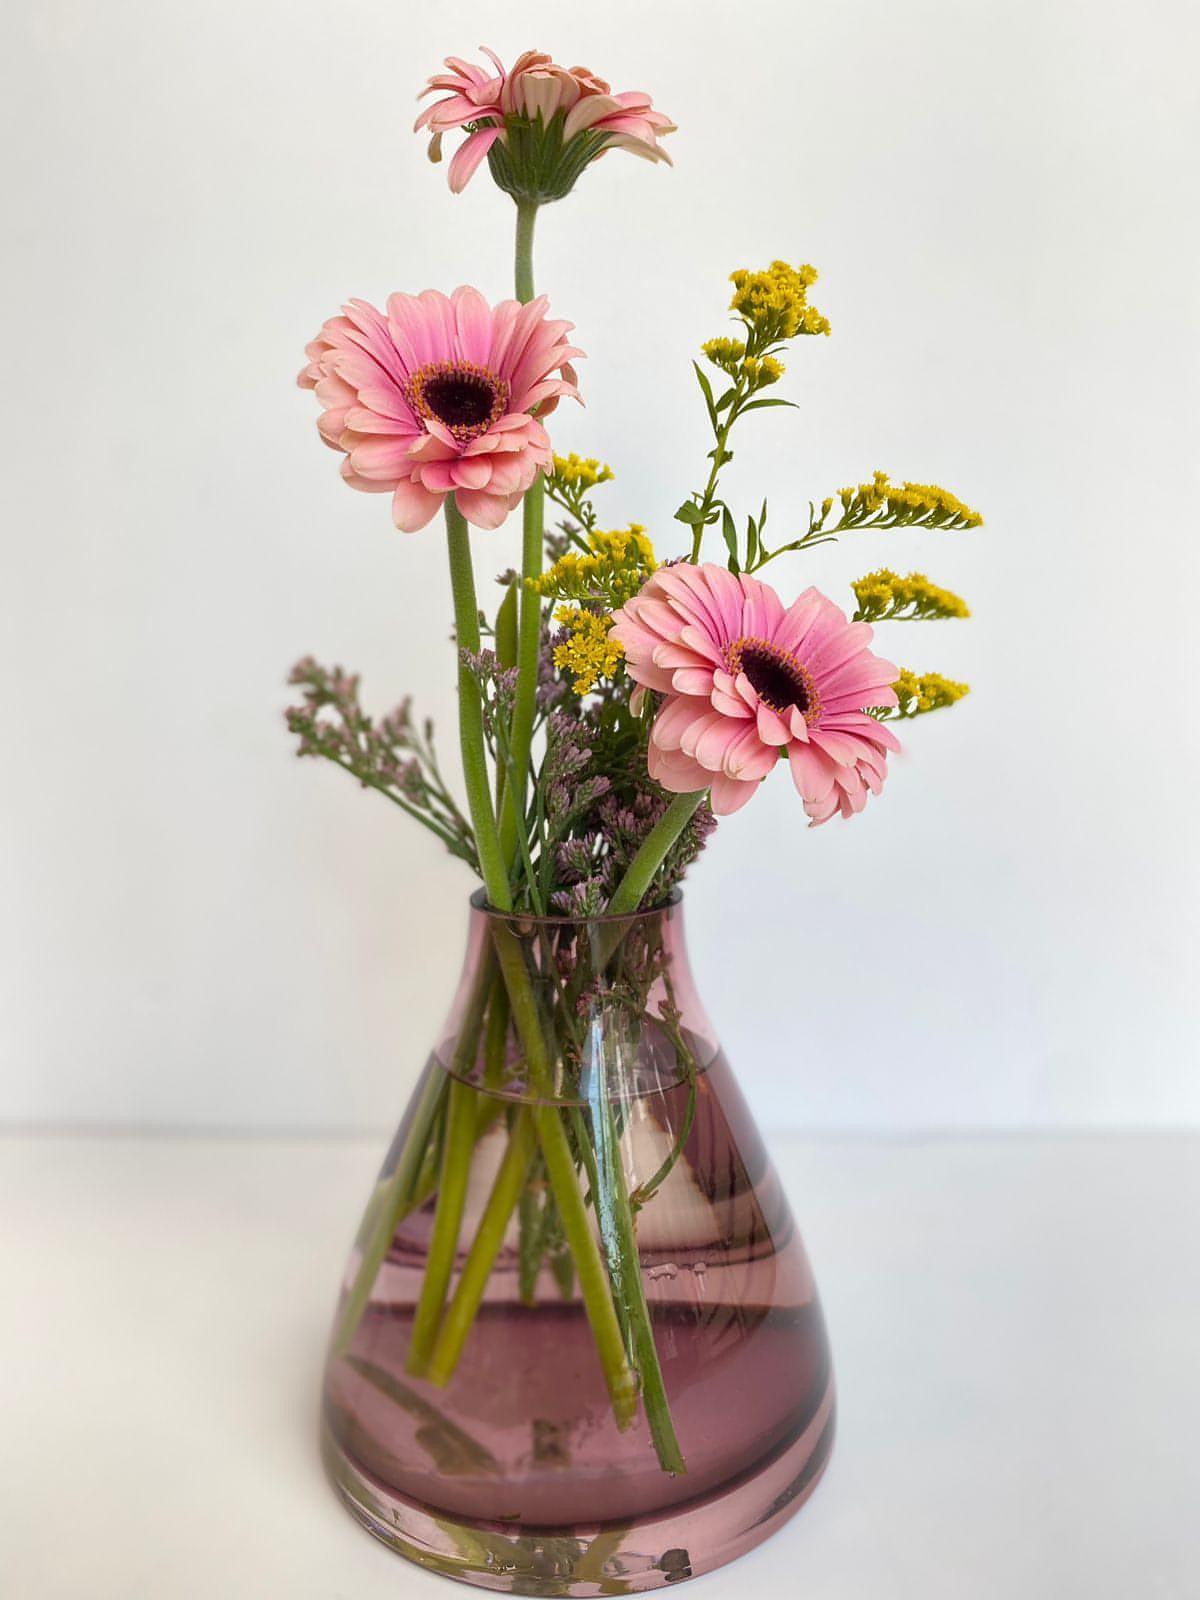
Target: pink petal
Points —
{"points": [[812, 772], [675, 719], [468, 156], [482, 510], [730, 794], [770, 726], [675, 771], [414, 507]]}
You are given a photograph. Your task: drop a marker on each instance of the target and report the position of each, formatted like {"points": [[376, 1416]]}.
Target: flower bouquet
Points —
{"points": [[578, 1348]]}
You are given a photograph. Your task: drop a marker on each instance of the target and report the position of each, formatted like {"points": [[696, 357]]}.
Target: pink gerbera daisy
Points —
{"points": [[437, 395], [494, 103], [747, 681]]}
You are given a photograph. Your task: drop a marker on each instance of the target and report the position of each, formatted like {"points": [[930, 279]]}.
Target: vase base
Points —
{"points": [[664, 1548]]}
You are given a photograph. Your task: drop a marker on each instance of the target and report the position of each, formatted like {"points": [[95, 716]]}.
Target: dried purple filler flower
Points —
{"points": [[391, 755]]}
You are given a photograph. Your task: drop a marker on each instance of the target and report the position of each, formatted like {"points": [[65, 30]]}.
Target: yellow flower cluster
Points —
{"points": [[775, 302], [907, 505], [884, 595], [614, 567], [926, 691], [580, 472], [589, 652], [725, 353], [762, 370], [730, 355]]}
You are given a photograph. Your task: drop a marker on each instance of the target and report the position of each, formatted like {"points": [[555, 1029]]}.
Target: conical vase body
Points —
{"points": [[578, 1348]]}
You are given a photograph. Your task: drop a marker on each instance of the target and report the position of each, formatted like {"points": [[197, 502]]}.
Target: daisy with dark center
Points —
{"points": [[780, 681], [466, 398], [746, 681], [441, 395]]}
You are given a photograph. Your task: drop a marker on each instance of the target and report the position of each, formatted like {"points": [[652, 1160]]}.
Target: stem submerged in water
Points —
{"points": [[447, 1220]]}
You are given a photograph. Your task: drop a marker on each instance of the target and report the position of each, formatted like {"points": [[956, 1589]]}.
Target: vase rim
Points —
{"points": [[479, 903]]}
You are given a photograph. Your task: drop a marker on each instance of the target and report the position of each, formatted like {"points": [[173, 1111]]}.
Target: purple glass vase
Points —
{"points": [[578, 1349]]}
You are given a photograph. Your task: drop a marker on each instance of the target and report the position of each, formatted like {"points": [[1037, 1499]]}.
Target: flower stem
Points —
{"points": [[543, 1121], [447, 1220], [546, 1122], [470, 713], [529, 644], [527, 211], [721, 433], [615, 1216], [489, 1236], [643, 869], [529, 633]]}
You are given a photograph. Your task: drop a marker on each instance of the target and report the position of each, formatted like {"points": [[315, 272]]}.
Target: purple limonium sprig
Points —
{"points": [[395, 755]]}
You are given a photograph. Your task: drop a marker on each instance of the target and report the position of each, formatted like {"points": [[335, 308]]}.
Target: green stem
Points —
{"points": [[560, 1170], [489, 1236], [470, 713], [710, 488], [625, 1268], [529, 644], [447, 1220], [527, 211], [531, 1230], [594, 1287], [493, 862], [495, 1043], [643, 869], [529, 634]]}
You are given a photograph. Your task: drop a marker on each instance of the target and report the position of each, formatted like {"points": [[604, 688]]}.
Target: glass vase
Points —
{"points": [[578, 1349]]}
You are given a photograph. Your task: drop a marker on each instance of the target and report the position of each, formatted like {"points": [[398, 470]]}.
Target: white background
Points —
{"points": [[198, 930]]}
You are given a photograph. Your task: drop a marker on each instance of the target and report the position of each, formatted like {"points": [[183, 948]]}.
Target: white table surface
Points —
{"points": [[1016, 1328]]}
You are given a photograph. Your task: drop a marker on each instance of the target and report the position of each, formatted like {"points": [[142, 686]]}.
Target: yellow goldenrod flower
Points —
{"points": [[885, 596], [583, 472], [926, 691], [775, 302], [762, 370], [725, 353], [589, 652], [907, 505], [614, 568]]}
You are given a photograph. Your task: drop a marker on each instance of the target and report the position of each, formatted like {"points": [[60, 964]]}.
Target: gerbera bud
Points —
{"points": [[539, 125]]}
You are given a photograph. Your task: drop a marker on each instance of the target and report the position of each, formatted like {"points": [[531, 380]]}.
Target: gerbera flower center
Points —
{"points": [[779, 680], [465, 398]]}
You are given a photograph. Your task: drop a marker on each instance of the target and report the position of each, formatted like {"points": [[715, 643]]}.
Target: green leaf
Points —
{"points": [[729, 534], [690, 513], [506, 628], [758, 405], [706, 391]]}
